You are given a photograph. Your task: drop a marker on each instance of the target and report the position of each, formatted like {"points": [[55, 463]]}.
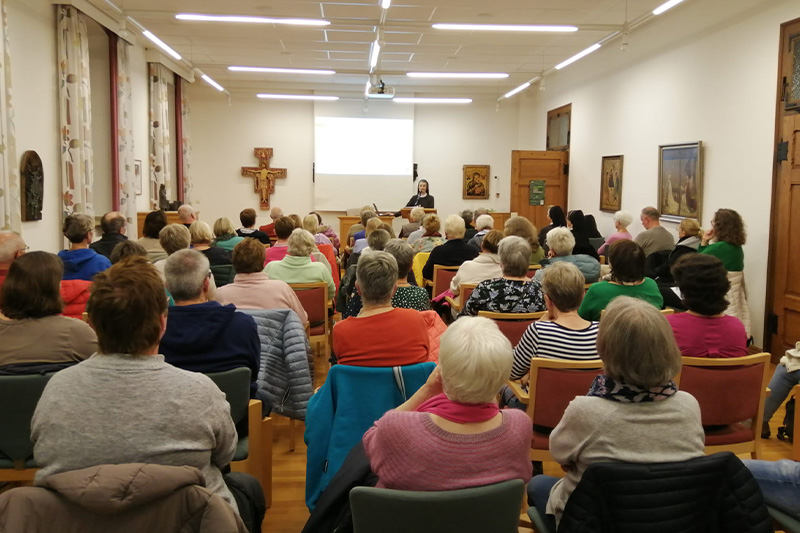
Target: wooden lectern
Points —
{"points": [[406, 212]]}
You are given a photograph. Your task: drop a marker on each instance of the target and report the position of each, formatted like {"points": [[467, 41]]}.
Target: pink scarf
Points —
{"points": [[460, 413]]}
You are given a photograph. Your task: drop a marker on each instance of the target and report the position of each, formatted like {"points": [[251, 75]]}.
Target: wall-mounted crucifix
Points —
{"points": [[263, 176]]}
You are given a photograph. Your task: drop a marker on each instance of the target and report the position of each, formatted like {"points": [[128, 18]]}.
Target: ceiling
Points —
{"points": [[411, 44]]}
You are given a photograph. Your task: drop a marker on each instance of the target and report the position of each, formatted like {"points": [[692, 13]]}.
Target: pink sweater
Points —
{"points": [[408, 451], [257, 291], [618, 236], [708, 336]]}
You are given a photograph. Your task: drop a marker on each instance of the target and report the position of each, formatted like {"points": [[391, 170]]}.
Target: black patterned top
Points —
{"points": [[409, 297], [502, 295]]}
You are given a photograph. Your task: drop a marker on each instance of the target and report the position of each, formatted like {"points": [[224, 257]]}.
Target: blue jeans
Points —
{"points": [[538, 493], [780, 386], [780, 483]]}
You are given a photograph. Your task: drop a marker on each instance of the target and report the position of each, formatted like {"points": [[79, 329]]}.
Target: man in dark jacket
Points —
{"points": [[452, 253], [113, 226]]}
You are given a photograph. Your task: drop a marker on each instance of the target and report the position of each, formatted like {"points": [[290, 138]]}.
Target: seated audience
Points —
{"points": [[298, 222], [560, 243], [154, 222], [786, 376], [365, 214], [127, 249], [311, 224], [780, 484], [485, 266], [113, 226], [469, 230], [125, 404], [31, 328], [654, 238], [580, 230], [284, 227], [705, 330], [454, 251], [627, 279], [522, 227], [275, 213], [80, 261], [175, 237], [380, 335], [451, 433], [430, 237], [225, 234], [484, 224], [11, 247], [248, 219], [557, 219], [202, 335], [377, 241], [591, 226], [296, 266], [252, 288], [622, 219], [327, 231], [201, 241], [360, 243], [514, 292], [416, 221], [633, 413], [658, 267], [186, 215]]}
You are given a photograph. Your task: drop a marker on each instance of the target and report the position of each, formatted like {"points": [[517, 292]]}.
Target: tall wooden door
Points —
{"points": [[527, 166]]}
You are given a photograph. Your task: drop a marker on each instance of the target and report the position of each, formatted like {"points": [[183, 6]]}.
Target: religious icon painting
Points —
{"points": [[476, 182], [680, 181], [611, 183]]}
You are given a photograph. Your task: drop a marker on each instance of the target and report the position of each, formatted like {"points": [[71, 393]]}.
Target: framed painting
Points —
{"points": [[680, 181], [611, 183], [476, 182], [137, 176]]}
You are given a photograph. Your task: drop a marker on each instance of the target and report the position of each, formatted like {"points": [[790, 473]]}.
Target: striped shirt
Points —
{"points": [[553, 341]]}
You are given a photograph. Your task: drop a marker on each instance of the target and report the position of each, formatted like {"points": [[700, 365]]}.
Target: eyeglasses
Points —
{"points": [[209, 274]]}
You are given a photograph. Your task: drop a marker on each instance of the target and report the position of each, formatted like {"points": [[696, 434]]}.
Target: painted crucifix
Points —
{"points": [[263, 176]]}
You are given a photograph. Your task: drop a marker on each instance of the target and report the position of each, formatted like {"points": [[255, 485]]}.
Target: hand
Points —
{"points": [[524, 380], [707, 236], [433, 385]]}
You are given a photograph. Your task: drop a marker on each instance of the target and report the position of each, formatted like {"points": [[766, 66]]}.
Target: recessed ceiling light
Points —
{"points": [[578, 56], [474, 75], [275, 70], [505, 27], [251, 20], [161, 44], [296, 97], [433, 100], [666, 6]]}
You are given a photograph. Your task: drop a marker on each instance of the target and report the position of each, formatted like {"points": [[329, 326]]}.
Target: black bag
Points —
{"points": [[249, 498], [786, 431]]}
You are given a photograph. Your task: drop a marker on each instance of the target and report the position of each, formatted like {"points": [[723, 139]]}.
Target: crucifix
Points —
{"points": [[263, 176]]}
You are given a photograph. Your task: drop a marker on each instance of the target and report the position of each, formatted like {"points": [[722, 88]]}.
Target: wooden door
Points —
{"points": [[527, 166]]}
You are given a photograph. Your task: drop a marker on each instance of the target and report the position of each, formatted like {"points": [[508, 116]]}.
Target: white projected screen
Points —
{"points": [[363, 146]]}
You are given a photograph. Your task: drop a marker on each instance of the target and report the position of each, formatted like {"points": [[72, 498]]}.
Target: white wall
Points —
{"points": [[716, 85]]}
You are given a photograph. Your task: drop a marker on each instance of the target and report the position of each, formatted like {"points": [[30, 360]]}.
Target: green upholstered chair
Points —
{"points": [[19, 395]]}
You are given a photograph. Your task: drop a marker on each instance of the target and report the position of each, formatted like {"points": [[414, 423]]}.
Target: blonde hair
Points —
{"points": [[200, 232], [431, 223], [417, 213], [563, 283], [300, 243], [174, 237], [690, 226], [372, 225], [311, 223], [223, 226], [561, 241]]}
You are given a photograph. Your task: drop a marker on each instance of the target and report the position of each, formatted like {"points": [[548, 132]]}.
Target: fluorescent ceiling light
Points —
{"points": [[373, 55], [296, 97], [251, 20], [211, 82], [578, 56], [512, 92], [366, 89], [666, 6], [161, 44], [386, 3], [281, 70], [506, 27], [475, 75], [433, 100]]}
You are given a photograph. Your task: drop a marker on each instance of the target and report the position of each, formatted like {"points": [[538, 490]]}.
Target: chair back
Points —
{"points": [[442, 276], [554, 383], [327, 251], [513, 325], [235, 384], [532, 270], [223, 274], [465, 291], [18, 398], [492, 508], [417, 265], [314, 299]]}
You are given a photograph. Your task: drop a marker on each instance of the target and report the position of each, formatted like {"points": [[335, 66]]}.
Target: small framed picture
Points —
{"points": [[476, 182], [137, 176], [611, 183], [680, 180]]}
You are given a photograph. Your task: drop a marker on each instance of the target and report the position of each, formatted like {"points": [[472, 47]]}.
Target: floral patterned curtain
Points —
{"points": [[127, 186], [10, 208], [75, 110], [186, 147], [159, 133]]}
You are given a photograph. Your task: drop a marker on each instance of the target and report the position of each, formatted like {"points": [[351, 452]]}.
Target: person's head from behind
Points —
{"points": [[11, 247], [376, 278], [627, 261], [298, 222], [556, 216], [475, 360], [187, 273], [636, 344], [274, 214], [223, 226], [78, 228], [311, 224], [491, 241], [576, 221], [284, 227], [484, 222], [112, 222], [403, 255], [32, 288], [591, 226], [126, 249], [522, 227], [378, 239], [689, 227], [248, 256], [127, 308], [560, 241], [622, 219], [729, 227], [154, 222], [479, 211], [703, 281], [454, 227], [174, 237], [372, 225], [563, 285], [515, 256], [431, 223], [423, 187], [248, 217], [366, 215], [467, 215], [201, 233], [650, 217], [300, 243], [388, 229], [186, 214], [417, 213]]}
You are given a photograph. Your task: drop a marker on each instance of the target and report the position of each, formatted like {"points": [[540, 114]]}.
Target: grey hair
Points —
{"points": [[624, 218], [403, 254], [174, 237], [651, 212], [77, 226], [417, 213], [484, 222], [561, 241], [376, 276], [185, 271], [10, 243], [377, 239], [468, 215], [515, 255], [480, 211], [185, 211], [300, 243], [454, 227], [276, 213]]}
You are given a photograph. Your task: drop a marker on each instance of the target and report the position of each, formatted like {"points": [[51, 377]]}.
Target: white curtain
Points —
{"points": [[75, 110], [10, 208], [159, 133], [127, 186], [186, 145]]}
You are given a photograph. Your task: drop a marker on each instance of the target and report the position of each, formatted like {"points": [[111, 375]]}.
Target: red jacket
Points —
{"points": [[75, 293]]}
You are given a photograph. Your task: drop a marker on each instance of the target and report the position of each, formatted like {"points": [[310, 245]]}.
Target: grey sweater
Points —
{"points": [[113, 409]]}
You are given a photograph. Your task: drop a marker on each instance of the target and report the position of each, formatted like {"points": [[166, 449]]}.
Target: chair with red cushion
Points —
{"points": [[442, 276], [327, 251], [314, 299], [513, 325]]}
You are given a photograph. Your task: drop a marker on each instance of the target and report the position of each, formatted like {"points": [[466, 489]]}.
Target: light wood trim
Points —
{"points": [[534, 267], [266, 466], [462, 288], [439, 268], [14, 474], [666, 311], [796, 444], [512, 316], [521, 394], [256, 447]]}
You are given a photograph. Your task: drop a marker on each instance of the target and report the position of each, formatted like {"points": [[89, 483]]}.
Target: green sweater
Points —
{"points": [[600, 295], [731, 256]]}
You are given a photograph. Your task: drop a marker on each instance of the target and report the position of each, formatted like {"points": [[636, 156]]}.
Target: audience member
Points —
{"points": [[296, 266], [705, 330], [11, 247], [469, 230], [633, 413], [201, 241], [415, 222], [361, 243], [175, 237], [284, 227], [366, 216], [591, 227], [186, 215], [31, 327], [622, 219], [779, 482], [127, 249], [580, 230], [451, 434], [380, 335], [377, 241], [113, 226], [522, 227], [248, 219], [560, 243], [327, 231], [454, 251], [786, 376], [252, 288], [555, 215], [658, 267], [311, 224], [654, 238], [485, 266], [225, 236], [154, 222], [514, 292], [430, 237], [80, 261], [627, 279], [202, 335], [415, 235], [484, 224], [275, 213]]}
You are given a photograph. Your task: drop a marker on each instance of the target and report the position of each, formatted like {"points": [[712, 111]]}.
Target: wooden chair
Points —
{"points": [[532, 270], [553, 384], [442, 276], [464, 290], [796, 444], [513, 325], [729, 391], [314, 299], [667, 311]]}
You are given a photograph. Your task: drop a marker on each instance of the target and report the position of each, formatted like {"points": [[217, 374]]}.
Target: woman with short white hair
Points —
{"points": [[515, 292], [451, 433], [297, 267], [560, 243], [454, 251], [622, 219], [202, 237], [484, 224]]}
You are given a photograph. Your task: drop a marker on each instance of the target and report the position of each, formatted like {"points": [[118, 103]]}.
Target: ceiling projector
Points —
{"points": [[380, 90]]}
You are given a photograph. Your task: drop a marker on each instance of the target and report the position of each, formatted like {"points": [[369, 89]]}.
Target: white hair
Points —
{"points": [[484, 222], [561, 241], [454, 227], [10, 243], [417, 213], [475, 360], [515, 255], [185, 212], [200, 232], [300, 243], [624, 218], [185, 271]]}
